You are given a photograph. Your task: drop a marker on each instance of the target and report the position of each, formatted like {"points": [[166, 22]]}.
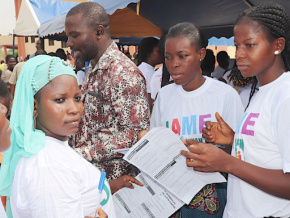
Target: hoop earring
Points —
{"points": [[276, 52], [34, 123]]}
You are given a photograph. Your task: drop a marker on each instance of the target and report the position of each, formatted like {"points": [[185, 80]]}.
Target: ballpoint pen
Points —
{"points": [[100, 188]]}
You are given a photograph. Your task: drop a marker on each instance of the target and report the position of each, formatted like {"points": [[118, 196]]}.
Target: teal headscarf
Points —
{"points": [[25, 141]]}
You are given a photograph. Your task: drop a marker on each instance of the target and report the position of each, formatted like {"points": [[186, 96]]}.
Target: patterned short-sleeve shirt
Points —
{"points": [[115, 110]]}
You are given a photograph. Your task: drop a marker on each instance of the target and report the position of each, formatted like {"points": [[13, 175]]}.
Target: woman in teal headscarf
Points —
{"points": [[43, 176]]}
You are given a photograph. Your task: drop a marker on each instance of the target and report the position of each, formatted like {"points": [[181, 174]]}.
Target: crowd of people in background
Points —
{"points": [[98, 98], [150, 61]]}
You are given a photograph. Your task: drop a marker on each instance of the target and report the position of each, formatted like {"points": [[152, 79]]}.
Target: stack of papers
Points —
{"points": [[168, 182]]}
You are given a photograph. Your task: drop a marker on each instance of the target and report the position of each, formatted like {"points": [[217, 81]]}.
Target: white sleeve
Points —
{"points": [[155, 120], [148, 82], [155, 84], [281, 124], [55, 191], [153, 87], [50, 192], [80, 76], [2, 211], [233, 109], [90, 177]]}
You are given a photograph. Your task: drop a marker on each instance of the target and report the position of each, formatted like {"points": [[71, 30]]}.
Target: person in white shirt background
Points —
{"points": [[80, 71], [148, 57], [225, 63]]}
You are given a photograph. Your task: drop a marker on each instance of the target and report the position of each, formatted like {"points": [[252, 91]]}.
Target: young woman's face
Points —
{"points": [[182, 60], [59, 109], [156, 56], [254, 52], [5, 130]]}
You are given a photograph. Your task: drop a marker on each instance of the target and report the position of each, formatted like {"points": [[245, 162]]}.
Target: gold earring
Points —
{"points": [[34, 123]]}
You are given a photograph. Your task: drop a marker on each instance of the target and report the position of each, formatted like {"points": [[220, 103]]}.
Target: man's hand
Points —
{"points": [[123, 181], [142, 133]]}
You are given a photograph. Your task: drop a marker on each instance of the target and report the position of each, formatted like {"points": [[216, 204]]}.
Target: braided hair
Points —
{"points": [[275, 21], [190, 31], [237, 78]]}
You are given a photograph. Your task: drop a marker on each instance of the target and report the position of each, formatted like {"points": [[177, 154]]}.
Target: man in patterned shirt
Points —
{"points": [[114, 92]]}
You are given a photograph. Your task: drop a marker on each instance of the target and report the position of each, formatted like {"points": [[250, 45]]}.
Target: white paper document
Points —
{"points": [[150, 201], [122, 150], [158, 155]]}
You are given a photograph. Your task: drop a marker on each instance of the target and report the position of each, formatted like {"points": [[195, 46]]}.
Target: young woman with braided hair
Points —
{"points": [[259, 168]]}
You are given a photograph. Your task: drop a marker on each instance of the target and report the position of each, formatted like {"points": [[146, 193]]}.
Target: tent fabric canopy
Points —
{"points": [[123, 23], [33, 13], [221, 41], [27, 22], [214, 17], [126, 23]]}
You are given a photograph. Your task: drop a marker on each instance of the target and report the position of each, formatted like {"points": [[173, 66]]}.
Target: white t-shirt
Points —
{"points": [[147, 71], [186, 112], [2, 211], [81, 76], [156, 82], [262, 138], [57, 182]]}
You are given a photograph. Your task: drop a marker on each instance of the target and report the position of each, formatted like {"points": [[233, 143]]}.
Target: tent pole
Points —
{"points": [[13, 43], [247, 2], [137, 8]]}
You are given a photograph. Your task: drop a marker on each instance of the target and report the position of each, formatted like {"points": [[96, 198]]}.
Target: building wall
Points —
{"points": [[49, 45], [7, 42], [231, 50]]}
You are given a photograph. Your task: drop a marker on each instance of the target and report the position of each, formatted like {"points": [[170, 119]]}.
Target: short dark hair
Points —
{"points": [[190, 31], [94, 13], [8, 57], [60, 53], [208, 63], [223, 59]]}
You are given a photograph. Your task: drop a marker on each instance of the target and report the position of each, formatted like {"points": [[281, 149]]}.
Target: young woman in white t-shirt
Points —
{"points": [[259, 168], [190, 101]]}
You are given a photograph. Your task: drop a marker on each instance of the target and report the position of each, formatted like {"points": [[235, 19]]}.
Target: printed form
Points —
{"points": [[157, 155], [151, 200]]}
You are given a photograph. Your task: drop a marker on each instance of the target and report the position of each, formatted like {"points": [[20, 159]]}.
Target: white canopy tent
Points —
{"points": [[33, 13]]}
